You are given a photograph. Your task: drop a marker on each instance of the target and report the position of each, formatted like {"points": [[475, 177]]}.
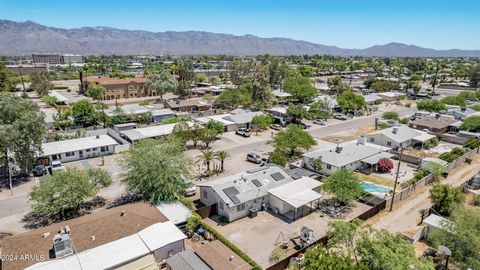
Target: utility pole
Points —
{"points": [[396, 176], [21, 77]]}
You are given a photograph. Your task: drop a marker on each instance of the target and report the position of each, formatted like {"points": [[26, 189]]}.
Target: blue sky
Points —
{"points": [[439, 24]]}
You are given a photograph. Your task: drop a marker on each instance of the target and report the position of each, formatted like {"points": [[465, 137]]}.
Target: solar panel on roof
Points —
{"points": [[277, 176], [257, 183], [234, 199], [231, 191]]}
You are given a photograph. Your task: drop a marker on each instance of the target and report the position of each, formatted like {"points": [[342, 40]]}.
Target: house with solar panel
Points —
{"points": [[271, 187]]}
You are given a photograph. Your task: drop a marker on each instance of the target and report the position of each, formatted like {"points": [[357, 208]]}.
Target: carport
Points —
{"points": [[295, 199], [425, 137]]}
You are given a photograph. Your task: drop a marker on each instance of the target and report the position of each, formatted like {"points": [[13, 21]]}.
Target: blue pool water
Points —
{"points": [[374, 189]]}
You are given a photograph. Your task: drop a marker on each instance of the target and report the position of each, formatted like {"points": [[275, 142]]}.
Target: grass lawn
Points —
{"points": [[375, 179]]}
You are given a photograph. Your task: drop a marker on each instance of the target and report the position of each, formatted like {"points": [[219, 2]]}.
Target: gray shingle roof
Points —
{"points": [[351, 152], [186, 260]]}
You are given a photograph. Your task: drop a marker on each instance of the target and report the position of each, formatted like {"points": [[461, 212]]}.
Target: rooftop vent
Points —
{"points": [[122, 213], [98, 136], [62, 246], [395, 130], [338, 149]]}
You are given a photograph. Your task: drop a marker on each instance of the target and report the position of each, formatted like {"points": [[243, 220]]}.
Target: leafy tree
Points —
{"points": [[471, 123], [468, 95], [292, 139], [240, 71], [161, 82], [277, 70], [22, 128], [334, 82], [391, 115], [344, 184], [461, 234], [445, 198], [371, 248], [475, 75], [154, 168], [61, 194], [317, 164], [383, 86], [96, 91], [261, 122], [320, 258], [261, 90], [277, 157], [63, 118], [296, 111], [233, 98], [454, 100], [216, 126], [300, 88], [351, 102], [6, 82], [206, 157], [436, 170], [431, 105], [201, 77], [207, 136], [305, 71], [41, 83], [119, 116], [84, 113], [221, 156], [182, 131]]}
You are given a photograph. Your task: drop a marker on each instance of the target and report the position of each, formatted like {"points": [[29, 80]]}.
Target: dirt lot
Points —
{"points": [[349, 135]]}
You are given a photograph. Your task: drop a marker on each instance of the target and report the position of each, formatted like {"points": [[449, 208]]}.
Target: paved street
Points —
{"points": [[13, 208]]}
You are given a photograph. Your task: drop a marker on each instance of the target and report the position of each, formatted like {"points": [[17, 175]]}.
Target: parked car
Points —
{"points": [[340, 116], [264, 161], [190, 189], [57, 166], [39, 170], [245, 132], [392, 122], [254, 157], [276, 127], [303, 125], [319, 122]]}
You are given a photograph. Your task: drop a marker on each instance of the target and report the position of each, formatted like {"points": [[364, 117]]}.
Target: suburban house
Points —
{"points": [[132, 236], [117, 88], [396, 136], [238, 118], [350, 155], [372, 98], [278, 111], [133, 110], [461, 113], [218, 256], [133, 135], [241, 194], [391, 96], [76, 149], [189, 105], [436, 124]]}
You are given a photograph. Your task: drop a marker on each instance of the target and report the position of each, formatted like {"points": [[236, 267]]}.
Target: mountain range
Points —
{"points": [[20, 38]]}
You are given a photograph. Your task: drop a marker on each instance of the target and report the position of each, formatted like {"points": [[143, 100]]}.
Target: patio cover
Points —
{"points": [[424, 137], [297, 193], [375, 158]]}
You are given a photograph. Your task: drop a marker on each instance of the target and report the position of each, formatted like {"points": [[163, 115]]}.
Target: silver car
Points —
{"points": [[254, 157]]}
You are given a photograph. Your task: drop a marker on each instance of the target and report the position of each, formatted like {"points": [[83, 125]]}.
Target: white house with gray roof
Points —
{"points": [[393, 137], [235, 195], [350, 155]]}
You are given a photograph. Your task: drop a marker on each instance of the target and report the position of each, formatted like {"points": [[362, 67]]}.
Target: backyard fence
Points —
{"points": [[407, 158], [452, 138]]}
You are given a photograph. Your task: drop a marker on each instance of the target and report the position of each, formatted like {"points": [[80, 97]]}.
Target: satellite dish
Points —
{"points": [[444, 250]]}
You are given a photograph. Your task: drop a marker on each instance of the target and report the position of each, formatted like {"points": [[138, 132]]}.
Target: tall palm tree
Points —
{"points": [[221, 156], [206, 158]]}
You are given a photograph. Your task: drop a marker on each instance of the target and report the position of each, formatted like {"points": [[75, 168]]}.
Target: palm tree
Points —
{"points": [[221, 156], [206, 157]]}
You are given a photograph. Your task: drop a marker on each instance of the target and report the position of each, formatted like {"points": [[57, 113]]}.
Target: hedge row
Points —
{"points": [[452, 155], [230, 245]]}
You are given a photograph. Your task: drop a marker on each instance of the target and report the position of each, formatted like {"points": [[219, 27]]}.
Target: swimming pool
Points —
{"points": [[375, 189]]}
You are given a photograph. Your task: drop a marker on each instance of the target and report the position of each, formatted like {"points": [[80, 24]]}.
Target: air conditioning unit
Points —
{"points": [[62, 246]]}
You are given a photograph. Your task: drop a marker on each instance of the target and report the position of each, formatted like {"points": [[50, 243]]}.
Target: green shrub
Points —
{"points": [[404, 120], [193, 221], [408, 105], [230, 245], [224, 219]]}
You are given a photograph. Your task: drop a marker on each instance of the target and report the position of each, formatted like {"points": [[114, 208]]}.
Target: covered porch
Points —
{"points": [[421, 140], [296, 199], [369, 165]]}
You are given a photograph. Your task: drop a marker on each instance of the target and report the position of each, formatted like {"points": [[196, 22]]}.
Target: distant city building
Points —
{"points": [[72, 58], [47, 58], [56, 59], [120, 88]]}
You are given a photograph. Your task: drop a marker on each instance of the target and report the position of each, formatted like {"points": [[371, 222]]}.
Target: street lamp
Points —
{"points": [[396, 176]]}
